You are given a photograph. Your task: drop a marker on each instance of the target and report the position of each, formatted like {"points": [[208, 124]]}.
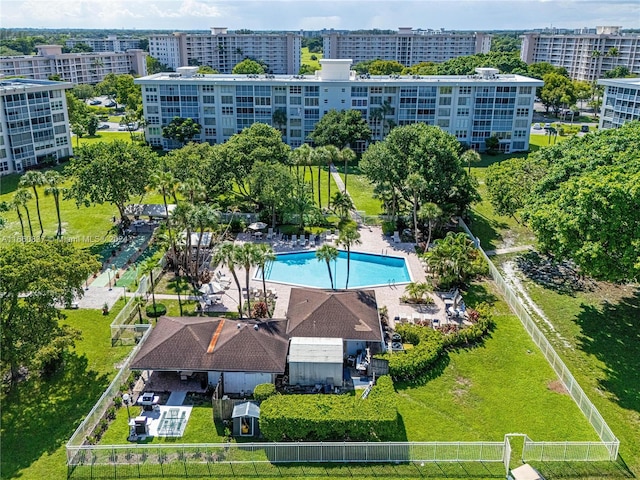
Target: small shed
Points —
{"points": [[245, 420], [315, 361]]}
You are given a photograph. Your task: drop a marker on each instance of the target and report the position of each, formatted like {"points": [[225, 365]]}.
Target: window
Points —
{"points": [[444, 101], [227, 110], [295, 89], [522, 112], [464, 90], [525, 90], [227, 99], [446, 90]]}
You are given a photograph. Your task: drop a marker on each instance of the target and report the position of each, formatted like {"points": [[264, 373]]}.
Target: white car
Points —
{"points": [[536, 126], [547, 126]]}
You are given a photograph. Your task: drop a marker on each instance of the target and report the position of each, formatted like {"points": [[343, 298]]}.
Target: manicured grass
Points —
{"points": [[311, 174], [503, 385], [306, 58], [599, 340], [102, 136], [361, 190], [39, 416]]}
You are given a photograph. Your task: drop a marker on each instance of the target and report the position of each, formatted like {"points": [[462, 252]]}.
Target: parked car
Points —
{"points": [[584, 128], [536, 126], [547, 126], [111, 104], [103, 126], [95, 102]]}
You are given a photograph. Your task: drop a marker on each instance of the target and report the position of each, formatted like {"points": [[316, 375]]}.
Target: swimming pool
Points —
{"points": [[367, 270]]}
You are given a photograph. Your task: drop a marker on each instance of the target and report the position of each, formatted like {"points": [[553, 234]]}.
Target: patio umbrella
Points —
{"points": [[205, 289], [257, 226], [216, 287]]}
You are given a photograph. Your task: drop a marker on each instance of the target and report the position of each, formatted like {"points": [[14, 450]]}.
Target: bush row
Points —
{"points": [[429, 345], [264, 391], [331, 417]]}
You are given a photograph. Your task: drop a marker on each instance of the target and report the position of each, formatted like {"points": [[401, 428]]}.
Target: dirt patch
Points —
{"points": [[558, 387], [562, 276], [461, 387]]}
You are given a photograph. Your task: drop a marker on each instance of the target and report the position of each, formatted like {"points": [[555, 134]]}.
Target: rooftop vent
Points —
{"points": [[255, 327]]}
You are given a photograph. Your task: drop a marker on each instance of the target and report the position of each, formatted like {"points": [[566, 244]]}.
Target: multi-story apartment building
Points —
{"points": [[620, 103], [73, 67], [471, 107], [586, 56], [34, 123], [110, 44], [222, 50], [407, 46]]}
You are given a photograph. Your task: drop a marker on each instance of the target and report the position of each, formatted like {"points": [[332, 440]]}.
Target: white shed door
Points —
{"points": [[236, 382]]}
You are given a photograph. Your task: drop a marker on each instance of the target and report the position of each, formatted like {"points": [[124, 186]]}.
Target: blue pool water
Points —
{"points": [[367, 270]]}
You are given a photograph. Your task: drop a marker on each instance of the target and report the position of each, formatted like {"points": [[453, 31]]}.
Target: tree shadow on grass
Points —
{"points": [[612, 334], [486, 229], [38, 416]]}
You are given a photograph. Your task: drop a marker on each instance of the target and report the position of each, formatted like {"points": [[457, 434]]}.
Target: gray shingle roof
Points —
{"points": [[350, 315]]}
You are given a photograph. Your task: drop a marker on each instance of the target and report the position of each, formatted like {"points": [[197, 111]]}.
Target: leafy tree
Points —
{"points": [[348, 237], [248, 66], [301, 202], [540, 69], [93, 122], [454, 260], [155, 66], [34, 179], [556, 92], [123, 90], [271, 185], [584, 208], [422, 68], [471, 156], [110, 173], [505, 62], [280, 119], [207, 70], [492, 144], [385, 67], [181, 130], [83, 91], [33, 277], [79, 130], [341, 129], [55, 189], [327, 253], [618, 72], [77, 109], [259, 142], [505, 42], [306, 69], [81, 47]]}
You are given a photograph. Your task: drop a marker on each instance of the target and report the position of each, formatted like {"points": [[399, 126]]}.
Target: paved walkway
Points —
{"points": [[501, 251]]}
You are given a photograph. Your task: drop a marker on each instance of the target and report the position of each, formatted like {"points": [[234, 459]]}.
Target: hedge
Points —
{"points": [[332, 417], [264, 391], [429, 345]]}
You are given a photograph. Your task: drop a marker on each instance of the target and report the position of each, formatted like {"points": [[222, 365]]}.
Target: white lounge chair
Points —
{"points": [[270, 233], [294, 240], [396, 237], [302, 241]]}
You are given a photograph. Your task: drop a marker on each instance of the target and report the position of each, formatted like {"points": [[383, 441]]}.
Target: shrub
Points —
{"points": [[264, 391], [111, 413], [332, 417], [160, 309], [388, 228], [260, 310], [117, 402]]}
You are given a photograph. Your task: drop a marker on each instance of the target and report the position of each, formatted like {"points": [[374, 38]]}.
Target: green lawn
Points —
{"points": [[38, 416], [101, 136], [306, 59], [361, 190], [599, 340]]}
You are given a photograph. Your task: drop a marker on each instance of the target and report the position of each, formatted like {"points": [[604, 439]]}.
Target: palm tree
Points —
{"points": [[429, 212], [54, 181], [204, 217], [471, 156], [34, 179], [331, 155], [165, 183], [193, 190], [226, 255], [301, 156], [183, 218], [349, 236], [16, 203], [375, 117], [327, 253], [22, 197], [452, 258], [342, 204], [248, 255], [416, 184], [265, 255], [317, 159], [348, 156]]}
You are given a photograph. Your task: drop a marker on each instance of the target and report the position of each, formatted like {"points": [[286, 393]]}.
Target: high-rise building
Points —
{"points": [[222, 50], [586, 56], [407, 46], [34, 124], [109, 44], [621, 101], [73, 67], [471, 107]]}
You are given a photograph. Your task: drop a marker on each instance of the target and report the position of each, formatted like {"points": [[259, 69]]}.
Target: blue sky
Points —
{"points": [[314, 15]]}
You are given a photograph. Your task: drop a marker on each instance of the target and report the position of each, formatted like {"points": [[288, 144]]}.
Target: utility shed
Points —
{"points": [[245, 420], [314, 361]]}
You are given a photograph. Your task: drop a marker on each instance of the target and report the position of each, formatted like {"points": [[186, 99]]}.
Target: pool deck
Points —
{"points": [[373, 241]]}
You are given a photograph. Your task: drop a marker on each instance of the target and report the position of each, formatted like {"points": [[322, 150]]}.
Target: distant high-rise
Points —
{"points": [[109, 44], [222, 50], [34, 124], [621, 101], [73, 67], [586, 56], [407, 46]]}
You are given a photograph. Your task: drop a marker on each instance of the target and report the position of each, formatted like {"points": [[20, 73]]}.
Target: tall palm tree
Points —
{"points": [[54, 181], [204, 217], [429, 212], [318, 160], [301, 156], [348, 156], [193, 190], [327, 253], [22, 196], [165, 183], [349, 236], [16, 203], [34, 179], [375, 117], [265, 255], [248, 255], [331, 155], [416, 185], [342, 204], [470, 156], [226, 255], [182, 216]]}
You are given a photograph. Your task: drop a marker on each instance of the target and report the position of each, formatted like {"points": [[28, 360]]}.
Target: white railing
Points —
{"points": [[606, 435]]}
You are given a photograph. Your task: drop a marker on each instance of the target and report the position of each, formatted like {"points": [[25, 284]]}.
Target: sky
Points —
{"points": [[318, 14]]}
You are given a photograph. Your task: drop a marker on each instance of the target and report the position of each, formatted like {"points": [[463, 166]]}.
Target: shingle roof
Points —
{"points": [[182, 343], [350, 315]]}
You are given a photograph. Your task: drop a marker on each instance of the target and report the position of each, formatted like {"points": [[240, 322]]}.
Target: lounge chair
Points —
{"points": [[294, 240], [302, 241], [396, 237], [270, 234], [312, 240]]}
